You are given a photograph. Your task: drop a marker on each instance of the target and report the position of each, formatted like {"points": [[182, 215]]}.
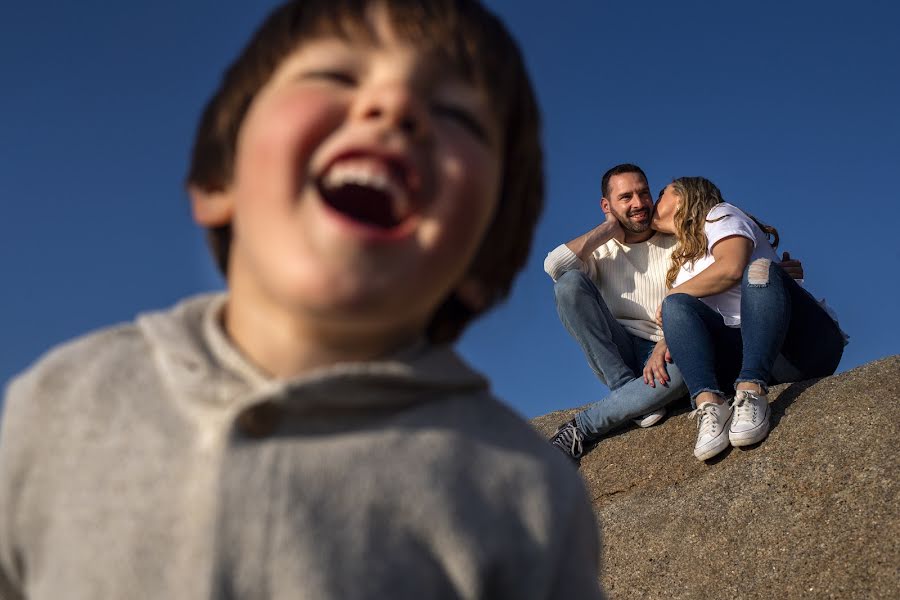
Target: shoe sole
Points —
{"points": [[751, 436], [712, 448], [649, 420]]}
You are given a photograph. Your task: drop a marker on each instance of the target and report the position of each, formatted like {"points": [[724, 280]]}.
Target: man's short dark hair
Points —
{"points": [[619, 170]]}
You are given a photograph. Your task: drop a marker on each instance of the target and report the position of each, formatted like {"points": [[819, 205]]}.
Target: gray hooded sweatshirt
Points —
{"points": [[152, 460]]}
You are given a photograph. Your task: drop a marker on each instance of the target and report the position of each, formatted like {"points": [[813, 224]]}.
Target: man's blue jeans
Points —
{"points": [[782, 326], [617, 357]]}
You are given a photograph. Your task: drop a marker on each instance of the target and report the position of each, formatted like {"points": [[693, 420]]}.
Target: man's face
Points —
{"points": [[630, 202]]}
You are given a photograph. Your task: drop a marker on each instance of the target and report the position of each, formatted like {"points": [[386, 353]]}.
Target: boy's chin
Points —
{"points": [[347, 300], [390, 330], [361, 309]]}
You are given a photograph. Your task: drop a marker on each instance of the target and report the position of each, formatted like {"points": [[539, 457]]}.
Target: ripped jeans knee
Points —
{"points": [[759, 272]]}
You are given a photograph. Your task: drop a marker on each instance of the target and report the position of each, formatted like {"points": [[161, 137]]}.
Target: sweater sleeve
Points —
{"points": [[13, 456], [562, 259]]}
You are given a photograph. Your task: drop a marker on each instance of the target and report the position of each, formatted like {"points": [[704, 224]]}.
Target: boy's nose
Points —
{"points": [[393, 105]]}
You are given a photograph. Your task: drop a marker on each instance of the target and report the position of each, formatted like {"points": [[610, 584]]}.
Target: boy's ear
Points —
{"points": [[211, 209], [473, 294]]}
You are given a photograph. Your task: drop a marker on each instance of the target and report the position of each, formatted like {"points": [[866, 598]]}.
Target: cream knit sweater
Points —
{"points": [[631, 278]]}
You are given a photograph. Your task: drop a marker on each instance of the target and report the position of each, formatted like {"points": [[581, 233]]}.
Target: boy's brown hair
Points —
{"points": [[476, 43]]}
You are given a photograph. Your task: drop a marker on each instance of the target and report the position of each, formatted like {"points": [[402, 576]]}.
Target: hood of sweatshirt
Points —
{"points": [[201, 366]]}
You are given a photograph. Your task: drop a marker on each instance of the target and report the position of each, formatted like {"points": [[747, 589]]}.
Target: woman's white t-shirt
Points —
{"points": [[727, 220]]}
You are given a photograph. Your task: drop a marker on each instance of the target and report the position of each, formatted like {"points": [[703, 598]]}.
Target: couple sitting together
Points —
{"points": [[689, 292]]}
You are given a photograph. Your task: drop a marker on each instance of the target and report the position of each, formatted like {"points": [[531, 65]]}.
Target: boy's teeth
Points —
{"points": [[364, 174], [385, 204]]}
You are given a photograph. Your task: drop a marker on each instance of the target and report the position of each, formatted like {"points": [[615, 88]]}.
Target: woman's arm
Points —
{"points": [[731, 254]]}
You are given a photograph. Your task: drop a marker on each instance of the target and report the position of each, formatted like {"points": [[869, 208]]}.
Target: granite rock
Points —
{"points": [[811, 512]]}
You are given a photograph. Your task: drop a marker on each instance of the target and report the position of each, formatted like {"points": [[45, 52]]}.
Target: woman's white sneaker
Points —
{"points": [[712, 429], [750, 422]]}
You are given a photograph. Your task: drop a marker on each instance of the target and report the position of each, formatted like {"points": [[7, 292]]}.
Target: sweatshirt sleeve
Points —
{"points": [[13, 453], [562, 259], [578, 572]]}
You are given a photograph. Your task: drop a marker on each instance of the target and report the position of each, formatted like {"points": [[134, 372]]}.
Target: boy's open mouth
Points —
{"points": [[366, 191]]}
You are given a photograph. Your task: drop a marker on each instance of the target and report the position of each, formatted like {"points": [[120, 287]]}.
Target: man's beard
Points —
{"points": [[633, 227]]}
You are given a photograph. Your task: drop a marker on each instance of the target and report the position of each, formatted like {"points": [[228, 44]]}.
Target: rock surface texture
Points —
{"points": [[811, 512]]}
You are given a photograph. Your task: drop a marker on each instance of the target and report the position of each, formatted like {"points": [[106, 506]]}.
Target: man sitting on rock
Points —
{"points": [[608, 285]]}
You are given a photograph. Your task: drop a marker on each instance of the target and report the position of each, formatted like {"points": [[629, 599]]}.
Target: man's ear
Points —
{"points": [[604, 205], [211, 209], [473, 294]]}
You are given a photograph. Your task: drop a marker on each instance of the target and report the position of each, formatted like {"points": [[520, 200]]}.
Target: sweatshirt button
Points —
{"points": [[260, 420]]}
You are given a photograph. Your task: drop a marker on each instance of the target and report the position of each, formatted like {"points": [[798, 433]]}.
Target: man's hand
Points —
{"points": [[615, 227], [791, 266], [655, 369], [584, 245]]}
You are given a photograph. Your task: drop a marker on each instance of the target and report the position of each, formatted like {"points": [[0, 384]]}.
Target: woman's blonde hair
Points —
{"points": [[698, 196]]}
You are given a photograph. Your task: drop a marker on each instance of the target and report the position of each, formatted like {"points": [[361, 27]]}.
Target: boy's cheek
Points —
{"points": [[460, 235], [281, 132]]}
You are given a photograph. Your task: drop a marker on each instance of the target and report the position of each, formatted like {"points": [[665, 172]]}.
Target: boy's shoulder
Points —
{"points": [[118, 341], [106, 357], [77, 358]]}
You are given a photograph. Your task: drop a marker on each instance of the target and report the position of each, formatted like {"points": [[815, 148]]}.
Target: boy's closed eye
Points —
{"points": [[461, 116], [339, 76], [444, 110]]}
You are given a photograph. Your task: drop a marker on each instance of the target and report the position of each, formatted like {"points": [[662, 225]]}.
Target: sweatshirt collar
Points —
{"points": [[199, 361]]}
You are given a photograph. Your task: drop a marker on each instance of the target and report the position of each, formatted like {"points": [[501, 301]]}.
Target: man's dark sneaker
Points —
{"points": [[570, 440]]}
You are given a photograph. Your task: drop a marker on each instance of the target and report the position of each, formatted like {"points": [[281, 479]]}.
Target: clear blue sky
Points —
{"points": [[790, 107]]}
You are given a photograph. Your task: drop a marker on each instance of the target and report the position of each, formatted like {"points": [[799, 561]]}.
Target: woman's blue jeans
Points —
{"points": [[780, 321], [616, 356]]}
